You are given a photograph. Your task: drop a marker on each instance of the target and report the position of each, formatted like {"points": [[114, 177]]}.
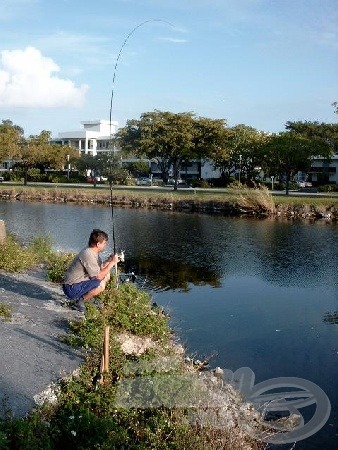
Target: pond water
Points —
{"points": [[256, 293]]}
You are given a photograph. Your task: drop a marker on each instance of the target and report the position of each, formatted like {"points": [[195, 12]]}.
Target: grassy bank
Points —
{"points": [[231, 202], [151, 397]]}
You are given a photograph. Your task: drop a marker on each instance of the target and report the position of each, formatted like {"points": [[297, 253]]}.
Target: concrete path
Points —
{"points": [[31, 354]]}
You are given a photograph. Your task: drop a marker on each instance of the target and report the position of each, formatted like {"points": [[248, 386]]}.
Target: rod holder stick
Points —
{"points": [[104, 366], [106, 349]]}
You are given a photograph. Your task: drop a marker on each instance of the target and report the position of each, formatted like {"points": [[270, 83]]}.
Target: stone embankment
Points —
{"points": [[31, 352], [257, 203]]}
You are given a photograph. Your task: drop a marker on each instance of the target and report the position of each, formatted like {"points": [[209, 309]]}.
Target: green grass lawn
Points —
{"points": [[146, 193]]}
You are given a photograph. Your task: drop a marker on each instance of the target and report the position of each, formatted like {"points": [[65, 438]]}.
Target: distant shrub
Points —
{"points": [[5, 312], [57, 266], [200, 183], [328, 188]]}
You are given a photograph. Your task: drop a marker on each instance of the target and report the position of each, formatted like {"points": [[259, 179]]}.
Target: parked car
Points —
{"points": [[184, 185], [303, 184], [143, 181], [98, 179], [2, 179], [172, 180]]}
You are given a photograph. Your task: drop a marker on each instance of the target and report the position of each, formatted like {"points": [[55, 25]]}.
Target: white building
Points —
{"points": [[94, 138], [208, 171], [323, 171]]}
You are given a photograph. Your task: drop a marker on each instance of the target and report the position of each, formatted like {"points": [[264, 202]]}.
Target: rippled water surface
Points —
{"points": [[256, 293]]}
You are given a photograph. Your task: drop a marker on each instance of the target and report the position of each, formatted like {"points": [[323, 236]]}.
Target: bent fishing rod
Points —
{"points": [[121, 255]]}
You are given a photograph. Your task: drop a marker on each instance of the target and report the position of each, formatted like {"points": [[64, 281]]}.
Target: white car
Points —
{"points": [[304, 184], [2, 179], [143, 181], [172, 180]]}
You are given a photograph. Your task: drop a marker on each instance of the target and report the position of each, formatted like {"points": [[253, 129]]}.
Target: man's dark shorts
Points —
{"points": [[77, 290]]}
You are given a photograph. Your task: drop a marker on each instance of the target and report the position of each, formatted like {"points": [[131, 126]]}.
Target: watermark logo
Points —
{"points": [[270, 412], [283, 397]]}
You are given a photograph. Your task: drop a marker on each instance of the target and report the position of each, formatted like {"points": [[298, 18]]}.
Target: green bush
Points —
{"points": [[199, 183], [57, 266], [33, 174], [5, 315], [129, 309], [14, 257], [328, 188], [15, 175], [41, 247]]}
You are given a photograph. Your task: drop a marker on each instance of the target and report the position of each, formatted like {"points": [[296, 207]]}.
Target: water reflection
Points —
{"points": [[160, 274], [277, 289], [174, 249]]}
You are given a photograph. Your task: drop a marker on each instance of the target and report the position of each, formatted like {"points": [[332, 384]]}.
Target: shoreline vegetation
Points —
{"points": [[151, 396], [240, 201]]}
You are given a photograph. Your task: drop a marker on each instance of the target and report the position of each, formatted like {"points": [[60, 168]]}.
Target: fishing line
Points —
{"points": [[111, 109], [112, 215]]}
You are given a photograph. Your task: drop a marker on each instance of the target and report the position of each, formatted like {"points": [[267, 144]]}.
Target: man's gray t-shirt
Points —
{"points": [[86, 265]]}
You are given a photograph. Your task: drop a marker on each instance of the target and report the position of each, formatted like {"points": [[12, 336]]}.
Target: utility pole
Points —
{"points": [[68, 167], [240, 168]]}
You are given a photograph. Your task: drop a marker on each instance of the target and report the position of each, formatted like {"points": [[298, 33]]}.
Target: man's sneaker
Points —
{"points": [[79, 305], [96, 302]]}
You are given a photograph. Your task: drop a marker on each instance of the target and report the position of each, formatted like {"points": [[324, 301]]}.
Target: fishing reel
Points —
{"points": [[121, 256]]}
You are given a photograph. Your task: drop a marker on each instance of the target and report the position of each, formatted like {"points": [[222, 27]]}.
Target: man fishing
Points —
{"points": [[87, 275]]}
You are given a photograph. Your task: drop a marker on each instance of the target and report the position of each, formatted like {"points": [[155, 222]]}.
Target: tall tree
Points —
{"points": [[240, 152], [102, 164], [10, 136], [287, 153], [211, 141], [163, 136], [36, 151], [170, 139], [327, 132]]}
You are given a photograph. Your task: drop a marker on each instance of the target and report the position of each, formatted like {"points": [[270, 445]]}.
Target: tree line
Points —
{"points": [[172, 139]]}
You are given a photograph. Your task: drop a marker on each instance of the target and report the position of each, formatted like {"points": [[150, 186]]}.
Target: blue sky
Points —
{"points": [[256, 62]]}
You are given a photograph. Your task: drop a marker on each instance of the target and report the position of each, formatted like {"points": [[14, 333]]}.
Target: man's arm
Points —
{"points": [[107, 266]]}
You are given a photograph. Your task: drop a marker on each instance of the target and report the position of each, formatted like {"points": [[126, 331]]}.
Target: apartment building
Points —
{"points": [[323, 171], [95, 137]]}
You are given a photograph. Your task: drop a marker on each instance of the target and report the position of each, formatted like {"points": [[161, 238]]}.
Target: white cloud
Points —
{"points": [[173, 40], [27, 79]]}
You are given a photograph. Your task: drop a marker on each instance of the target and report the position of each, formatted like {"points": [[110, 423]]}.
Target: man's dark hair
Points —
{"points": [[97, 236]]}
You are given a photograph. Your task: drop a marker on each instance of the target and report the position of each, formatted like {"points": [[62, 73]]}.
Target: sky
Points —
{"points": [[255, 62]]}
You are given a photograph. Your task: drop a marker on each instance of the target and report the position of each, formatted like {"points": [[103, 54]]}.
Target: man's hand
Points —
{"points": [[114, 259]]}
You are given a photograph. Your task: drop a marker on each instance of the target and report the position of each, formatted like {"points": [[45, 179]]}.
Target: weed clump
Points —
{"points": [[15, 257], [5, 312], [258, 200], [57, 266]]}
